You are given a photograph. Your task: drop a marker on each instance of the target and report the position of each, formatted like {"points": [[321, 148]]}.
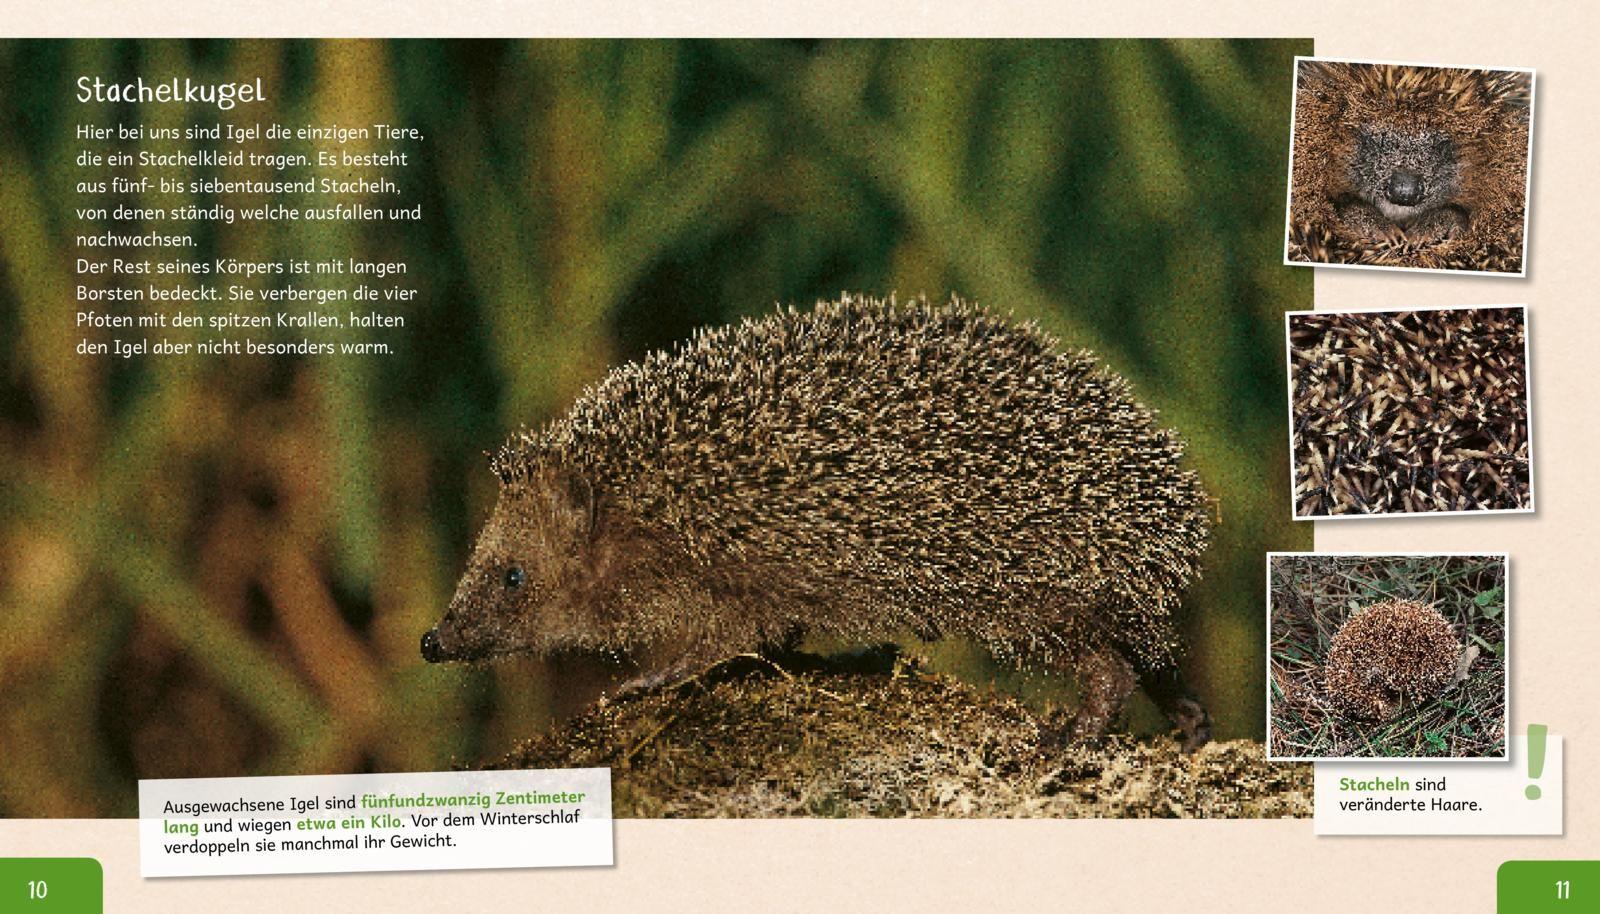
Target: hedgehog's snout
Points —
{"points": [[431, 650], [450, 641], [1405, 188], [441, 644]]}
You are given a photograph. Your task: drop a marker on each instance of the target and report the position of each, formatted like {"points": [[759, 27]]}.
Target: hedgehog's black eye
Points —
{"points": [[515, 577]]}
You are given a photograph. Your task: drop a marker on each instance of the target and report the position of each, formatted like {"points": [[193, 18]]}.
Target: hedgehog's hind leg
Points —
{"points": [[1106, 679], [1152, 659], [1167, 688]]}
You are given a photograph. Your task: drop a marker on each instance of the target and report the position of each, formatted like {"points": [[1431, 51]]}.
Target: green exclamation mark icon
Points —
{"points": [[1536, 734]]}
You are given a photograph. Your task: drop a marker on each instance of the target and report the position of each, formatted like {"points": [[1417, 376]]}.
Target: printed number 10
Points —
{"points": [[37, 889], [1563, 890]]}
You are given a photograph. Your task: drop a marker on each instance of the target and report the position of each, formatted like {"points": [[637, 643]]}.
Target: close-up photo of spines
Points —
{"points": [[1410, 412]]}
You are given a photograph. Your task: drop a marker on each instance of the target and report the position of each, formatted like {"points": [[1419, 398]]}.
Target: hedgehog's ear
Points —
{"points": [[577, 497]]}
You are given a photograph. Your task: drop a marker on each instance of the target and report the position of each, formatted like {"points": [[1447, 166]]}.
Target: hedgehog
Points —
{"points": [[1387, 655], [1410, 166], [862, 470]]}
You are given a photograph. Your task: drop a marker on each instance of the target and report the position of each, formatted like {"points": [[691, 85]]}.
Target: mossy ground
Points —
{"points": [[757, 740]]}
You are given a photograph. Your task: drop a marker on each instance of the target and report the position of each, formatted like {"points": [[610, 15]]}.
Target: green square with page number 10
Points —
{"points": [[1554, 886], [51, 885]]}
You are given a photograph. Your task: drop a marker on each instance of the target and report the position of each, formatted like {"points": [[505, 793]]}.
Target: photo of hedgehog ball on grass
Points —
{"points": [[1409, 166], [1386, 656], [858, 470], [1409, 412]]}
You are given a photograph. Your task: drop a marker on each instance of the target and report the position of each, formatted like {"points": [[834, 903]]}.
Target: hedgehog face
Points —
{"points": [[1409, 166], [530, 578], [1405, 174]]}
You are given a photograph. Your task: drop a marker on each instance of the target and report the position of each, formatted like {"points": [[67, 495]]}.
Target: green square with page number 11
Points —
{"points": [[1554, 886], [51, 885]]}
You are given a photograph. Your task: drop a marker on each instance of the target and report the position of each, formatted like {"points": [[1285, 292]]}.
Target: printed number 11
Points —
{"points": [[37, 889], [1563, 890]]}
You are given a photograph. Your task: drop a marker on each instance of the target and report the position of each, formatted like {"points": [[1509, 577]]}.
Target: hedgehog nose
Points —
{"points": [[1404, 189], [430, 647]]}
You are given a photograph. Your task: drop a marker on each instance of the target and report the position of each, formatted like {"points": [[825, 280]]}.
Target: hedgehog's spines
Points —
{"points": [[936, 464], [1388, 655]]}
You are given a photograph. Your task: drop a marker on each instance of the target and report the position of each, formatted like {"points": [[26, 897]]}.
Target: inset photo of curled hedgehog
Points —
{"points": [[1405, 166], [1387, 656], [1409, 412]]}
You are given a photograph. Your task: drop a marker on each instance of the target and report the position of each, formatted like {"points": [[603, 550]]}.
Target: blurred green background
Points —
{"points": [[222, 565]]}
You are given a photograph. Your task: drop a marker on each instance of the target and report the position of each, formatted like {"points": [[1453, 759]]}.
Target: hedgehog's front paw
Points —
{"points": [[669, 675], [1360, 219], [1442, 224]]}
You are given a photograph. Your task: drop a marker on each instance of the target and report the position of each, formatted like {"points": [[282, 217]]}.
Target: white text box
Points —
{"points": [[366, 822], [1441, 798]]}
